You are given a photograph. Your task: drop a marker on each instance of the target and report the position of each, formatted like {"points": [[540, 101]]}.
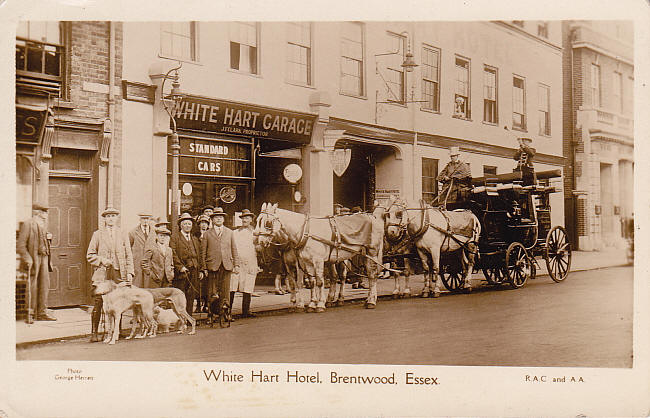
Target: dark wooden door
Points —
{"points": [[68, 225]]}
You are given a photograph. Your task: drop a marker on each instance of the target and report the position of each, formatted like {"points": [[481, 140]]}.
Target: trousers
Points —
{"points": [[219, 284], [39, 282]]}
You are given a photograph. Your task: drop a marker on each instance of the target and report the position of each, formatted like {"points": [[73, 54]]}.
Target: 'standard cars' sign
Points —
{"points": [[213, 157], [202, 114]]}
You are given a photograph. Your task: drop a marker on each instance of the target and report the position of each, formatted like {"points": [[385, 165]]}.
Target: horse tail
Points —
{"points": [[469, 254]]}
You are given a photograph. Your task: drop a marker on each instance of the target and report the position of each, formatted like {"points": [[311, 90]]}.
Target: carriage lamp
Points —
{"points": [[175, 97]]}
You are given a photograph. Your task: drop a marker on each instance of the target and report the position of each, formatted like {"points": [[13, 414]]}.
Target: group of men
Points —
{"points": [[198, 260]]}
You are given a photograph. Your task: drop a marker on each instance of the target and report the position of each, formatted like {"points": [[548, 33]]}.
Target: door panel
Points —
{"points": [[69, 235]]}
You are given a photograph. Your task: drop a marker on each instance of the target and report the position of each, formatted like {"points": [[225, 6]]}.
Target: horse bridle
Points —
{"points": [[402, 225], [304, 234]]}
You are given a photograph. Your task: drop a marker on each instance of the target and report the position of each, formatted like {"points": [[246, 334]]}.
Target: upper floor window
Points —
{"points": [[544, 98], [40, 56], [299, 66], [518, 102], [244, 51], [462, 89], [542, 29], [431, 78], [394, 69], [595, 85], [617, 92], [352, 54], [490, 113], [178, 40]]}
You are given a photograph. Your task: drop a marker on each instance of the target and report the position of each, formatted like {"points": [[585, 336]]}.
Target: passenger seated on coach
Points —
{"points": [[524, 157], [456, 180]]}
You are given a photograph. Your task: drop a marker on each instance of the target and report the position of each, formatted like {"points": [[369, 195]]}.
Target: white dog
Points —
{"points": [[165, 318]]}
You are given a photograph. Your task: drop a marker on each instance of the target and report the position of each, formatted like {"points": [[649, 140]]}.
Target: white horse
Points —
{"points": [[435, 231], [312, 240]]}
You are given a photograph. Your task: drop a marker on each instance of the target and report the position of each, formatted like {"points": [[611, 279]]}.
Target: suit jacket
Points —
{"points": [[139, 243], [157, 266], [27, 244], [98, 254], [186, 253], [217, 250]]}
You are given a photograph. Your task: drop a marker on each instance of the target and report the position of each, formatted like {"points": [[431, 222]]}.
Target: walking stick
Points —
{"points": [[30, 311]]}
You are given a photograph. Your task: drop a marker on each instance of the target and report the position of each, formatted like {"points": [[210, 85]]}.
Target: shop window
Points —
{"points": [[543, 98], [429, 178], [518, 103], [394, 70], [352, 63], [462, 95], [178, 40], [244, 51], [431, 78], [490, 114], [40, 56], [299, 65]]}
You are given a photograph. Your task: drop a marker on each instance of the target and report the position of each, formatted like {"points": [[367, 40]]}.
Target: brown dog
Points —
{"points": [[178, 304]]}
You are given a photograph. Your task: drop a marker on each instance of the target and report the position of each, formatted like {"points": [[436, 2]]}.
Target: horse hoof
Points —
{"points": [[291, 309], [191, 333], [467, 290], [396, 296], [300, 309], [424, 294], [320, 310], [339, 303], [128, 338], [310, 310], [328, 304], [436, 295], [111, 343], [370, 306], [139, 337]]}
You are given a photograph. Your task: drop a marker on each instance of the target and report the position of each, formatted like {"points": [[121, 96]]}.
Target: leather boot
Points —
{"points": [[94, 320], [246, 307]]}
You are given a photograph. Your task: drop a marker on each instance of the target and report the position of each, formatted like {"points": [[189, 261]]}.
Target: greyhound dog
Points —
{"points": [[119, 299], [178, 305]]}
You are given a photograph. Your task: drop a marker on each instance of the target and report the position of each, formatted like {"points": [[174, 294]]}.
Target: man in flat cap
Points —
{"points": [[110, 255], [140, 238], [34, 250], [158, 261], [187, 260], [219, 257], [244, 280], [456, 179]]}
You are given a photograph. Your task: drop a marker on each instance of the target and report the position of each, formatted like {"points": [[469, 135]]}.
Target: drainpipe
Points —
{"points": [[111, 110]]}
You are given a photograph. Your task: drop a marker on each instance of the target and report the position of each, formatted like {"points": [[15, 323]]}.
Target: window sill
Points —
{"points": [[491, 123], [230, 70], [435, 112], [515, 128], [546, 136], [184, 60], [462, 118], [297, 84], [342, 93], [63, 104]]}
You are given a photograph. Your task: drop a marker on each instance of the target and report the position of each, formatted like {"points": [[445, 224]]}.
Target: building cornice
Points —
{"points": [[602, 51], [528, 35]]}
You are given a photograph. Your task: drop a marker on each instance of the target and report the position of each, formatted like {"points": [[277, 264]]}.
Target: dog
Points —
{"points": [[178, 305], [118, 299], [165, 318]]}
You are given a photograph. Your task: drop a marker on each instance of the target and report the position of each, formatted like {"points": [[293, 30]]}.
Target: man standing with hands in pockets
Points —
{"points": [[187, 260], [219, 258]]}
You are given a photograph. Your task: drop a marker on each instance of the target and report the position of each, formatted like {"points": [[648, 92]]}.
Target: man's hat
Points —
{"points": [[184, 217], [40, 206], [161, 222], [163, 231], [218, 212], [110, 211], [246, 212], [345, 211], [203, 218], [145, 214], [454, 151], [207, 207]]}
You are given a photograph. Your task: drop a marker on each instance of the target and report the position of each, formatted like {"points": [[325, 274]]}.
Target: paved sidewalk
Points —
{"points": [[75, 322]]}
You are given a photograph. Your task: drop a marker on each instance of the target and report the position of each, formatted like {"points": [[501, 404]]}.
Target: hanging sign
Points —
{"points": [[292, 173], [340, 160]]}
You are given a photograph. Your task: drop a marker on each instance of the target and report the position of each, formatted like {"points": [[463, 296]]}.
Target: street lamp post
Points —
{"points": [[176, 97]]}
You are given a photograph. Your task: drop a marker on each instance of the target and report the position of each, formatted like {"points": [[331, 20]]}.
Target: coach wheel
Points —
{"points": [[453, 280], [558, 254], [494, 275], [517, 265]]}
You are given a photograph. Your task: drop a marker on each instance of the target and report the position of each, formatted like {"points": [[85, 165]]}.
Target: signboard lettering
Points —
{"points": [[233, 118], [213, 157], [29, 124]]}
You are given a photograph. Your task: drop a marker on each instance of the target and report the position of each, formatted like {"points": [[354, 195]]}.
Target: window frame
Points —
{"points": [[595, 86], [310, 59], [617, 86], [362, 82], [468, 101], [547, 118], [403, 91], [435, 83], [524, 118], [542, 30], [194, 43], [258, 63], [434, 181], [495, 70]]}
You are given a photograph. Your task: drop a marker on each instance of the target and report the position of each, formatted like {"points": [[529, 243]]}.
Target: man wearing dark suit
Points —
{"points": [[34, 250], [219, 257], [140, 238], [187, 260], [158, 261]]}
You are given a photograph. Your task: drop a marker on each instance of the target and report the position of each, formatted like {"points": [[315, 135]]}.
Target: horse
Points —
{"points": [[435, 231], [325, 240], [396, 254]]}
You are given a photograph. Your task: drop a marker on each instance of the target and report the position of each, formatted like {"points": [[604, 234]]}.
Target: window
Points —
{"points": [[243, 47], [489, 171], [542, 29], [40, 51], [299, 53], [518, 103], [617, 92], [461, 97], [431, 78], [394, 69], [429, 182], [595, 85], [543, 100], [178, 40], [490, 114], [352, 59], [629, 96]]}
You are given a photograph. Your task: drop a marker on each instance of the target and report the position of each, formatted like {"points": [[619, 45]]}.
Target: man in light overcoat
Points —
{"points": [[140, 238]]}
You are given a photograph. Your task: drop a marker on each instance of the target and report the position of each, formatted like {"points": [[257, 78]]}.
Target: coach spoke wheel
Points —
{"points": [[517, 265], [558, 254], [494, 275], [453, 280]]}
